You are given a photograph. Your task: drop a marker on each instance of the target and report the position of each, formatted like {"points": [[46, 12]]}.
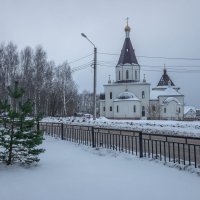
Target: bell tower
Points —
{"points": [[127, 69]]}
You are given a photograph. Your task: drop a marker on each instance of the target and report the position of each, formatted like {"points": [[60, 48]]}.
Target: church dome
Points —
{"points": [[127, 28], [127, 95]]}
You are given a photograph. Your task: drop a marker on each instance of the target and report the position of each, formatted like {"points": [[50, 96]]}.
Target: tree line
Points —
{"points": [[50, 86]]}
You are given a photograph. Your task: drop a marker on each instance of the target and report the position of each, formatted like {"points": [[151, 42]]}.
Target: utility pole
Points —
{"points": [[95, 83], [95, 76]]}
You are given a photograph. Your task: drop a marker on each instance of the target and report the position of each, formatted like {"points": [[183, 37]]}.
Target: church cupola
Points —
{"points": [[127, 69], [165, 79], [127, 55], [165, 82], [127, 29]]}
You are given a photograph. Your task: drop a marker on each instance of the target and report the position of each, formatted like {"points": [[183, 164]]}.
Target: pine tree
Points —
{"points": [[19, 139]]}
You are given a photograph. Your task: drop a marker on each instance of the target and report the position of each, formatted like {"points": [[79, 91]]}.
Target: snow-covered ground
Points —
{"points": [[69, 171], [189, 128]]}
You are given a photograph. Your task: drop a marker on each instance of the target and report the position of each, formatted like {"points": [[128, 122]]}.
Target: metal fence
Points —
{"points": [[169, 148]]}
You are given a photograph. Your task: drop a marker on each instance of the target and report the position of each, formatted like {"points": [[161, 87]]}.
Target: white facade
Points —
{"points": [[170, 103], [141, 91], [128, 72]]}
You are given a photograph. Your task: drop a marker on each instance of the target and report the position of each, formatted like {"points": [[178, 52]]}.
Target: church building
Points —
{"points": [[165, 100], [130, 98]]}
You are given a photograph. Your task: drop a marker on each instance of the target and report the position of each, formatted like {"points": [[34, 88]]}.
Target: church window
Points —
{"points": [[134, 108], [104, 108], [179, 110], [127, 75], [143, 95], [153, 108], [165, 110], [119, 75], [136, 75], [143, 111], [110, 95], [117, 108], [110, 108]]}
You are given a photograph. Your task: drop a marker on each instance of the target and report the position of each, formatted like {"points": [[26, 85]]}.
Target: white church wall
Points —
{"points": [[133, 72], [126, 109], [172, 111], [116, 89]]}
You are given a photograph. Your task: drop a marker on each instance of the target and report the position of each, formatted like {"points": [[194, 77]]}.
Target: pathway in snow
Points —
{"points": [[68, 171]]}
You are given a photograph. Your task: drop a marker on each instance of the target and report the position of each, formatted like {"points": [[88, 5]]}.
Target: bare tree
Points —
{"points": [[68, 89], [154, 110], [86, 102], [11, 62], [40, 63], [27, 71], [2, 72], [50, 87]]}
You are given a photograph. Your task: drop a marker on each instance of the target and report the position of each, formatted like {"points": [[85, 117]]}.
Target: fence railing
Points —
{"points": [[169, 148]]}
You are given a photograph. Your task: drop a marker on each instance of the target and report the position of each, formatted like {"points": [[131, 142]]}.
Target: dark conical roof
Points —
{"points": [[165, 79], [127, 53]]}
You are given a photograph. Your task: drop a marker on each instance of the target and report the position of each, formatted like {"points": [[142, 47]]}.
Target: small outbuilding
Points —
{"points": [[189, 112]]}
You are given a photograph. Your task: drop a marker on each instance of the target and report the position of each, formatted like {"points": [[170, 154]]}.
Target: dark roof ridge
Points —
{"points": [[165, 79]]}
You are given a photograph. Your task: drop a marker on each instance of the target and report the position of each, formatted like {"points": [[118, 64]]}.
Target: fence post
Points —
{"points": [[62, 133], [93, 140], [140, 144]]}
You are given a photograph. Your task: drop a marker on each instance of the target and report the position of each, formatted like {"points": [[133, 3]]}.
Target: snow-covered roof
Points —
{"points": [[167, 92], [127, 96], [188, 108], [169, 99]]}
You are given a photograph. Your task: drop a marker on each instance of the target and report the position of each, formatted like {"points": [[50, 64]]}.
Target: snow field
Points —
{"points": [[76, 172]]}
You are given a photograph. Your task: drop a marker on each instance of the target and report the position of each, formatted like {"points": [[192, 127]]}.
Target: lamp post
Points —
{"points": [[95, 76]]}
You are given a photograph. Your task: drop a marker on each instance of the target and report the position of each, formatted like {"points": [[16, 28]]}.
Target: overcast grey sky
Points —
{"points": [[168, 28]]}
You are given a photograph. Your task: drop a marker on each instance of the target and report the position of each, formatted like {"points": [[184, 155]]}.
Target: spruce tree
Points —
{"points": [[19, 137]]}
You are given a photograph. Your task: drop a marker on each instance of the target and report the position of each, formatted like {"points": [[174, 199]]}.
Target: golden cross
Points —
{"points": [[127, 20]]}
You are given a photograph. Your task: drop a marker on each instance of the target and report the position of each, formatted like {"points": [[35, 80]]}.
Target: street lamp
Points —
{"points": [[95, 76]]}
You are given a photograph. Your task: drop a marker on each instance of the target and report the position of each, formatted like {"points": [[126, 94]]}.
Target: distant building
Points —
{"points": [[198, 114], [130, 98], [189, 112]]}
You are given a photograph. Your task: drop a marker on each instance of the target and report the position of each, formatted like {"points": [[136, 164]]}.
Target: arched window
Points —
{"points": [[143, 111], [179, 110], [143, 95], [136, 75], [127, 75], [134, 108], [117, 108], [119, 75]]}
